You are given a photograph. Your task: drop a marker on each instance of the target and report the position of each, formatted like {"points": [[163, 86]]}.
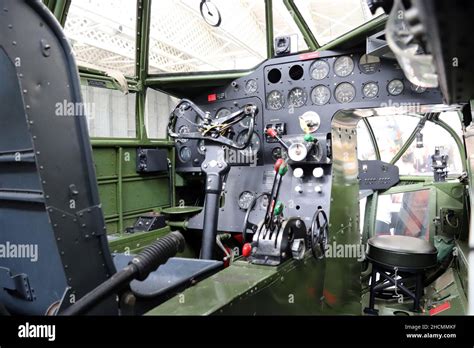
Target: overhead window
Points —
{"points": [[158, 108], [329, 19], [284, 25], [183, 40], [102, 34], [110, 113]]}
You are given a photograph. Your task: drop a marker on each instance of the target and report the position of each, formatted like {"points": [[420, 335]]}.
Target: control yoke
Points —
{"points": [[217, 130]]}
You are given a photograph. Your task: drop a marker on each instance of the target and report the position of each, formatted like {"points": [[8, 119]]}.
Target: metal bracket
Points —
{"points": [[19, 284]]}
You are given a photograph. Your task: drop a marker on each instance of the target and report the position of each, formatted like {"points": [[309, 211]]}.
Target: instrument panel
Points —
{"points": [[296, 95]]}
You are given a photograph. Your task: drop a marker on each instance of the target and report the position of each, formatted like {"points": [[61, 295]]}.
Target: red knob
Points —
{"points": [[246, 250], [272, 132], [278, 164]]}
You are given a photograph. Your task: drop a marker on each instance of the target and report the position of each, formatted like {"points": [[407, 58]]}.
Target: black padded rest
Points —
{"points": [[403, 252], [174, 274]]}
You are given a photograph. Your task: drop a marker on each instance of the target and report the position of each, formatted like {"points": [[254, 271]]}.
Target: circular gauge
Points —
{"points": [[276, 153], [223, 113], [297, 152], [319, 70], [245, 122], [183, 130], [345, 92], [395, 87], [254, 145], [185, 154], [370, 90], [275, 100], [369, 64], [343, 66], [201, 147], [297, 97], [417, 89], [310, 122], [210, 13], [245, 199], [320, 95], [251, 86]]}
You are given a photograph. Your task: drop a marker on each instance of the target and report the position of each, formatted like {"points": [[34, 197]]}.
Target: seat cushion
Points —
{"points": [[403, 252]]}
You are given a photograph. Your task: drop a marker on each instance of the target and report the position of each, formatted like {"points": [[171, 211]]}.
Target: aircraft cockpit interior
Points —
{"points": [[211, 157]]}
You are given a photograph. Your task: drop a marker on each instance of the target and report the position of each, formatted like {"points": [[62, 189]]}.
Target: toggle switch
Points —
{"points": [[318, 189], [298, 189]]}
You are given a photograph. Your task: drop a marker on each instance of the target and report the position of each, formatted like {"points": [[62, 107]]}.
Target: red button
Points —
{"points": [[246, 250], [212, 97]]}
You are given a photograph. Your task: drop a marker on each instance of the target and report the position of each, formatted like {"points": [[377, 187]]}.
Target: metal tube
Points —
{"points": [[211, 211]]}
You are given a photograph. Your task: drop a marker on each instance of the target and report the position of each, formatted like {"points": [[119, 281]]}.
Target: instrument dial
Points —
{"points": [[417, 89], [320, 95], [343, 66], [245, 199], [223, 113], [254, 145], [310, 122], [395, 87], [275, 100], [185, 154], [251, 86], [369, 64], [183, 130], [297, 152], [297, 97], [370, 90], [345, 92], [319, 70]]}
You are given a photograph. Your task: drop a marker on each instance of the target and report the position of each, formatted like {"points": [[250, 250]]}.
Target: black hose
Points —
{"points": [[138, 268]]}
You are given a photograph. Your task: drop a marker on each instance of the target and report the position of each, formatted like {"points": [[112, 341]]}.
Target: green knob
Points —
{"points": [[283, 169], [278, 208], [308, 138]]}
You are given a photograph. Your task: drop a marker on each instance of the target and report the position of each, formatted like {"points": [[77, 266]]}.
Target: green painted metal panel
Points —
{"points": [[145, 194], [108, 198], [105, 161]]}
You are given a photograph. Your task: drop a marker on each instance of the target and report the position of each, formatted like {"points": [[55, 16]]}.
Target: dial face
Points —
{"points": [[319, 69], [245, 122], [395, 87], [201, 147], [254, 145], [417, 89], [343, 66], [370, 90], [251, 86], [297, 152], [275, 100], [183, 130], [369, 64], [320, 95], [276, 153], [210, 13], [223, 113], [245, 199], [345, 92], [185, 154], [310, 122], [297, 97]]}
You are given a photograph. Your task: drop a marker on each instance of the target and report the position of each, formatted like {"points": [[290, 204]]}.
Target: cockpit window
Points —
{"points": [[329, 19], [102, 34], [285, 25], [186, 36]]}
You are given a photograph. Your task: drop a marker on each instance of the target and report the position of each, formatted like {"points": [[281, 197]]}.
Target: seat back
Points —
{"points": [[49, 201]]}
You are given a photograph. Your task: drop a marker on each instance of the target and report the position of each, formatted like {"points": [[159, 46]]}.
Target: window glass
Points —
{"points": [[453, 120], [391, 133], [284, 25], [404, 214], [182, 41], [102, 34], [158, 108], [111, 113], [329, 19], [417, 159], [365, 148]]}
